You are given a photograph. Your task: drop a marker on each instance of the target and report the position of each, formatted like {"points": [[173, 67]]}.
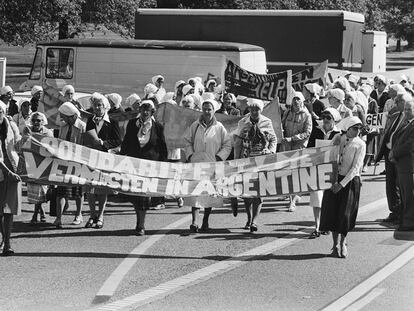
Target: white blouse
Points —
{"points": [[351, 158]]}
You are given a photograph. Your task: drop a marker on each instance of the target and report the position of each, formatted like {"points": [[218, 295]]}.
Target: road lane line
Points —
{"points": [[116, 277], [358, 305], [198, 276], [367, 285], [202, 274]]}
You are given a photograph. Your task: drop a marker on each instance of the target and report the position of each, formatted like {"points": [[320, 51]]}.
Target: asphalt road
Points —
{"points": [[277, 268]]}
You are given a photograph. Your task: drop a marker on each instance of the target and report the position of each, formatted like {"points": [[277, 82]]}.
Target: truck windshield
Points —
{"points": [[59, 63], [37, 65]]}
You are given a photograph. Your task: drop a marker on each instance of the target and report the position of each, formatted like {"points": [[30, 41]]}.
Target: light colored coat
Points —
{"points": [[203, 144], [298, 126]]}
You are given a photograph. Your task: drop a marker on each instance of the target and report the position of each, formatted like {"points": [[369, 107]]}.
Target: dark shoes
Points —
{"points": [[140, 231], [91, 221], [315, 234], [253, 227], [193, 228], [8, 251]]}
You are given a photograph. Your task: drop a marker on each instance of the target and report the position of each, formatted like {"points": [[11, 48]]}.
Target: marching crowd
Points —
{"points": [[335, 114]]}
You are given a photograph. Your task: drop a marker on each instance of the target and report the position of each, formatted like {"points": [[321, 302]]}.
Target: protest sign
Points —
{"points": [[242, 82], [333, 74], [177, 120], [376, 121], [50, 160], [313, 74]]}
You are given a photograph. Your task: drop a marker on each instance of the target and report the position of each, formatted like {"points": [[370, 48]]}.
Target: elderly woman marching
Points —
{"points": [[326, 131], [144, 139], [254, 136], [107, 131], [340, 203], [36, 193], [206, 141], [71, 130], [297, 127], [10, 190]]}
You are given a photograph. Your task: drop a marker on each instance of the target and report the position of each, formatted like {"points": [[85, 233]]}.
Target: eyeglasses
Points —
{"points": [[327, 117]]}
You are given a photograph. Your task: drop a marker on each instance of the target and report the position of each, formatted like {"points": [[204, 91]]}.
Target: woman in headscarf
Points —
{"points": [[22, 118], [36, 193], [311, 92], [144, 139], [297, 127], [71, 130], [326, 131], [68, 92], [37, 93], [108, 133], [336, 99], [228, 105], [211, 86], [255, 136], [206, 140], [340, 203], [115, 101], [159, 81], [133, 102], [380, 93], [6, 96], [10, 188], [187, 102], [178, 90]]}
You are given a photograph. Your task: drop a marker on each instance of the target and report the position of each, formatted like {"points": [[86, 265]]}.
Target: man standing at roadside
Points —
{"points": [[402, 153], [392, 189]]}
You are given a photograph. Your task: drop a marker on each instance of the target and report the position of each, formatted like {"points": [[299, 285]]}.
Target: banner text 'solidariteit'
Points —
{"points": [[54, 161]]}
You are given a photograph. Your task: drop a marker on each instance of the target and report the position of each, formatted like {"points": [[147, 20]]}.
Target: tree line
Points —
{"points": [[23, 22]]}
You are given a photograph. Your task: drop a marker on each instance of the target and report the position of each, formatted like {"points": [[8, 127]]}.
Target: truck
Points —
{"points": [[292, 39], [126, 66]]}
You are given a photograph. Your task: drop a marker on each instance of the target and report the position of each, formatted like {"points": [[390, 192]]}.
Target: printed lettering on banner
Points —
{"points": [[53, 161]]}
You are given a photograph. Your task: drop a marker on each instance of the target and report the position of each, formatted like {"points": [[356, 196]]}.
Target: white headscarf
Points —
{"points": [[334, 113], [115, 98], [154, 79], [186, 89], [337, 93], [150, 88], [36, 89], [131, 99], [68, 87], [213, 103], [69, 109], [254, 102], [5, 89]]}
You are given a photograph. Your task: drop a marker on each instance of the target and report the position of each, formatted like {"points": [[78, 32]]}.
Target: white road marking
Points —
{"points": [[364, 287], [201, 275], [358, 305], [197, 276], [112, 283]]}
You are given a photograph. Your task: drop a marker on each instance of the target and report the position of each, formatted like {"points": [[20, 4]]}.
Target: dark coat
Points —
{"points": [[155, 149], [109, 133], [403, 149], [386, 136], [318, 134], [13, 108], [381, 102]]}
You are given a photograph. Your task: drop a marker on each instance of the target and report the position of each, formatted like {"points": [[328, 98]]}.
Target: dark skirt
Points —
{"points": [[69, 192], [339, 211]]}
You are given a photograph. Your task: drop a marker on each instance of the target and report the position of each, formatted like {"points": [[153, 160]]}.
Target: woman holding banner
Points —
{"points": [[103, 133], [36, 193], [324, 132], [297, 127], [144, 139], [340, 203], [206, 141], [255, 136], [10, 188]]}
